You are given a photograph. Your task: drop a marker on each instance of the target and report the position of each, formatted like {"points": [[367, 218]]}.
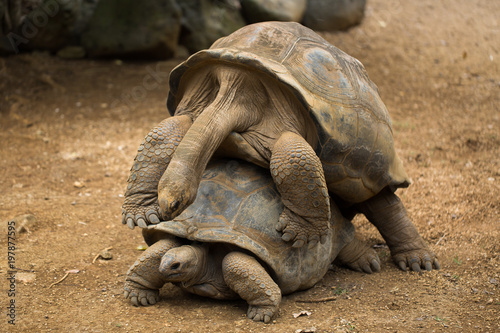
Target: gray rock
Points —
{"points": [[84, 13], [331, 15], [273, 10], [42, 24], [205, 21], [130, 28]]}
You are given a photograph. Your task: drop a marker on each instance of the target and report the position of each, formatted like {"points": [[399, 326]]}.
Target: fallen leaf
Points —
{"points": [[301, 313]]}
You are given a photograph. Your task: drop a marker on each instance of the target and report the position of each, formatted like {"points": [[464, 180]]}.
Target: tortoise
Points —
{"points": [[225, 245], [280, 96]]}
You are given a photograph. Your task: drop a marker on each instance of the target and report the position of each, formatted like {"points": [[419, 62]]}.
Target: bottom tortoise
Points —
{"points": [[225, 245]]}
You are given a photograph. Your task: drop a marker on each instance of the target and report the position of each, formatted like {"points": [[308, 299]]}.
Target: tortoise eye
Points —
{"points": [[174, 206], [175, 266]]}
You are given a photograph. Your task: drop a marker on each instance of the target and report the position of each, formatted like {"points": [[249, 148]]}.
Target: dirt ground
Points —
{"points": [[70, 129]]}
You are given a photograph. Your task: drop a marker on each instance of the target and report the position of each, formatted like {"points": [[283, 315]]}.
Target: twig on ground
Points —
{"points": [[317, 300], [440, 239], [73, 271]]}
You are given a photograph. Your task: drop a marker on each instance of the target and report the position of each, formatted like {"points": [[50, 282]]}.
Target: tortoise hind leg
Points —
{"points": [[408, 249], [298, 174], [358, 256], [144, 279], [246, 276], [140, 206]]}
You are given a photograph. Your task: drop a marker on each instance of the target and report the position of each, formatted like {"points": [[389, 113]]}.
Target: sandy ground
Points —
{"points": [[70, 129]]}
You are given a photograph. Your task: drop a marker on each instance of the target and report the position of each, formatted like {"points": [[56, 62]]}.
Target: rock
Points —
{"points": [[23, 223], [205, 21], [42, 24], [84, 13], [129, 28], [25, 277], [331, 15], [273, 10]]}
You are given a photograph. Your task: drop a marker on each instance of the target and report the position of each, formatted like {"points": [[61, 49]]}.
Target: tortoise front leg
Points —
{"points": [[155, 152], [408, 249], [298, 174], [246, 276], [144, 279]]}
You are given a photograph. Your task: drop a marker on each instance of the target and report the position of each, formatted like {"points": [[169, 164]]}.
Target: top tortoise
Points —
{"points": [[280, 96]]}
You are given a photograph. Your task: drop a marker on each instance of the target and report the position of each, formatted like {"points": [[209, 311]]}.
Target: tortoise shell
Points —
{"points": [[238, 204], [355, 142]]}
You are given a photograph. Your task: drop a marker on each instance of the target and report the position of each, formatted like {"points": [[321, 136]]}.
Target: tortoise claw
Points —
{"points": [[402, 265], [375, 265], [288, 236], [323, 239], [428, 265], [367, 269], [153, 218], [436, 264], [124, 216], [141, 223], [312, 243], [298, 243], [415, 267], [281, 224]]}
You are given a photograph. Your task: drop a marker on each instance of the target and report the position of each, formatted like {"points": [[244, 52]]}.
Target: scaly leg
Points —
{"points": [[408, 249], [155, 152], [246, 276], [144, 279], [358, 256], [298, 174]]}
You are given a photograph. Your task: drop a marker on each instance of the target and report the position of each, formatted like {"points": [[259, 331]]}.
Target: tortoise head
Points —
{"points": [[183, 264], [175, 195]]}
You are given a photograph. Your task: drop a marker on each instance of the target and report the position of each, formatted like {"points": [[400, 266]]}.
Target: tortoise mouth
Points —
{"points": [[173, 277]]}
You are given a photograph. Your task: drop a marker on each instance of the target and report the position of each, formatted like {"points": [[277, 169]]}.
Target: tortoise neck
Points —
{"points": [[200, 260], [228, 112]]}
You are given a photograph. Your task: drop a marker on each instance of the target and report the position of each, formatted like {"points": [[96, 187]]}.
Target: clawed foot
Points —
{"points": [[139, 295], [360, 257], [368, 263], [416, 260], [262, 313], [301, 232], [137, 210]]}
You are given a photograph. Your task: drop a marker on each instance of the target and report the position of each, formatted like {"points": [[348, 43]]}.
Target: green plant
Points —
{"points": [[439, 319], [340, 291]]}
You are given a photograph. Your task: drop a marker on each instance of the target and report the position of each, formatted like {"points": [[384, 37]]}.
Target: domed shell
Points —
{"points": [[238, 204], [355, 142]]}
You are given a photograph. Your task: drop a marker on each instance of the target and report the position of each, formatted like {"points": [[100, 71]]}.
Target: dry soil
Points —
{"points": [[69, 131]]}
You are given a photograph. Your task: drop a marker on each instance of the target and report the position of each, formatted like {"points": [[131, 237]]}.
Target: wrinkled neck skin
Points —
{"points": [[221, 100], [197, 269]]}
